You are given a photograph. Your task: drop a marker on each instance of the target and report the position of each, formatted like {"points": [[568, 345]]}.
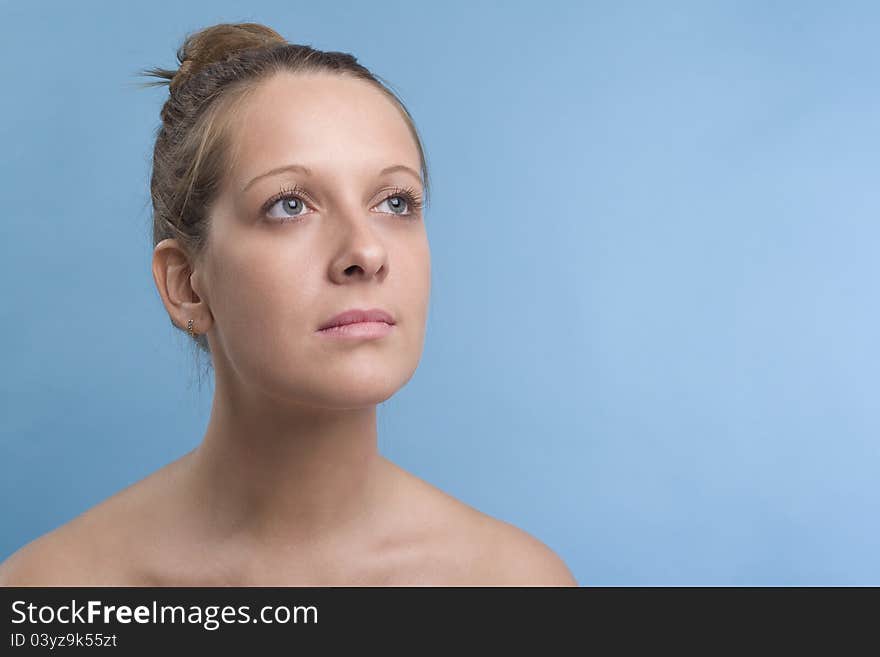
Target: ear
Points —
{"points": [[174, 277]]}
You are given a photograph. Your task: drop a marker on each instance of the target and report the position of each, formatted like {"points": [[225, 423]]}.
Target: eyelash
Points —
{"points": [[411, 196]]}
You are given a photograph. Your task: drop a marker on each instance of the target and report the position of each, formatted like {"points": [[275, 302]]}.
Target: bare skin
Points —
{"points": [[287, 486], [153, 533]]}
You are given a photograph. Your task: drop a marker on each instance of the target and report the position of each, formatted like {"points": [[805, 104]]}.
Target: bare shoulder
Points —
{"points": [[62, 557], [491, 552], [510, 556], [96, 548]]}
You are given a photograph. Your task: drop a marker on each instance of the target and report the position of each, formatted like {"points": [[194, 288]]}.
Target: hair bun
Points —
{"points": [[218, 43]]}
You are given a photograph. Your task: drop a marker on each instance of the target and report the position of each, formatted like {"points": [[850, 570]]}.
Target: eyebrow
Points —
{"points": [[305, 170]]}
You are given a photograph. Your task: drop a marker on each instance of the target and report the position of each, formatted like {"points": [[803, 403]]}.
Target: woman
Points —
{"points": [[288, 186]]}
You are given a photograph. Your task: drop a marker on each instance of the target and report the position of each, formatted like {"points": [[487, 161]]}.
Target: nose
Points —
{"points": [[362, 255]]}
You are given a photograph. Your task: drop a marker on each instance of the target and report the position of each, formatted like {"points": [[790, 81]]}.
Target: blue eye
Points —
{"points": [[292, 206], [290, 200], [404, 196], [398, 202]]}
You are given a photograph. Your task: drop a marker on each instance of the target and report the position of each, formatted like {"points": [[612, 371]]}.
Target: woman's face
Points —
{"points": [[276, 270]]}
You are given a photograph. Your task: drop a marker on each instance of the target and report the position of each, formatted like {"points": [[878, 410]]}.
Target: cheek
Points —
{"points": [[420, 268], [412, 295], [260, 293]]}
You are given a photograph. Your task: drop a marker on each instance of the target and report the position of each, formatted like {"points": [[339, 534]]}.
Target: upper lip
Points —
{"points": [[354, 315]]}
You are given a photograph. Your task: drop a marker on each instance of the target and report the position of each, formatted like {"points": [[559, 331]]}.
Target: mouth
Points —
{"points": [[358, 330], [358, 323]]}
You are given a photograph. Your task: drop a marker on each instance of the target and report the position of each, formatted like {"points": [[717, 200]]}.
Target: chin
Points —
{"points": [[349, 397], [356, 389]]}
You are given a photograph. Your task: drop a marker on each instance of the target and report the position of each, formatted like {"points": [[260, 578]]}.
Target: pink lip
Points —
{"points": [[357, 323], [358, 330]]}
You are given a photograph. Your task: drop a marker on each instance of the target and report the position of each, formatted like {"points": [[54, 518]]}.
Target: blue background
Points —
{"points": [[653, 334]]}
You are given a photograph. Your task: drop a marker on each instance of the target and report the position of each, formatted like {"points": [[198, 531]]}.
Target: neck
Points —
{"points": [[272, 470]]}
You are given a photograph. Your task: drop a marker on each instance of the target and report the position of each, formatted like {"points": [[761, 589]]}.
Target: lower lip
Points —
{"points": [[360, 330]]}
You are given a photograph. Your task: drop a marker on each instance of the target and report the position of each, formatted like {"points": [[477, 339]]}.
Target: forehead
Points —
{"points": [[324, 121]]}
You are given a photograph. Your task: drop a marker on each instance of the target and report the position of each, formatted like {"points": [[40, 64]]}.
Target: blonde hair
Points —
{"points": [[219, 66]]}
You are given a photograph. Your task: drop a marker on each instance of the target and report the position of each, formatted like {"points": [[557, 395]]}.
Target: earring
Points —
{"points": [[189, 328]]}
